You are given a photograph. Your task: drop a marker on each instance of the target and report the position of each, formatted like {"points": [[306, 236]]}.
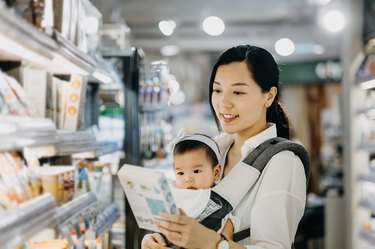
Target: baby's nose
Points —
{"points": [[188, 179]]}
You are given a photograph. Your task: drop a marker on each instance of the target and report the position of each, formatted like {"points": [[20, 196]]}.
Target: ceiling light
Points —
{"points": [[333, 21], [167, 27], [284, 47], [213, 25], [169, 50]]}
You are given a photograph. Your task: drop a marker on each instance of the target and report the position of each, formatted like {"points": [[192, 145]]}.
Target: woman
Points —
{"points": [[244, 90]]}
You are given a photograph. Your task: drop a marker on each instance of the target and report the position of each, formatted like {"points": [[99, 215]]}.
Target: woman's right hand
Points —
{"points": [[154, 241]]}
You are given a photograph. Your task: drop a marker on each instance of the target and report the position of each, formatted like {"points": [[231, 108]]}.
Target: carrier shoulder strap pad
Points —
{"points": [[262, 154]]}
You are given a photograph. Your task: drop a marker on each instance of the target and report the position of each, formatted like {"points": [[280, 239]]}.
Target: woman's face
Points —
{"points": [[239, 103]]}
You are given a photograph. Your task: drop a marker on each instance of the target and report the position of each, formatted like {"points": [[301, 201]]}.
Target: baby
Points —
{"points": [[197, 168]]}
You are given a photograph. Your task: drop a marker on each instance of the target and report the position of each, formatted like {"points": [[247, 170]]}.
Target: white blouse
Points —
{"points": [[275, 205]]}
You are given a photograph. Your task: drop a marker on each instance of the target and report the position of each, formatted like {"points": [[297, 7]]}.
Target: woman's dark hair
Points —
{"points": [[265, 72], [191, 145]]}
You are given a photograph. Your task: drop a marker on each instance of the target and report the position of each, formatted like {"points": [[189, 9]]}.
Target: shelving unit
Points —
{"points": [[41, 212], [26, 220], [50, 51], [47, 50]]}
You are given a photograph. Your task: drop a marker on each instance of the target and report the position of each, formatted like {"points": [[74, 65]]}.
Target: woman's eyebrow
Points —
{"points": [[240, 84], [234, 84]]}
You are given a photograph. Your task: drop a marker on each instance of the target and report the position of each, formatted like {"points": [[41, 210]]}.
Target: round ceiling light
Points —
{"points": [[284, 47], [334, 21], [213, 25]]}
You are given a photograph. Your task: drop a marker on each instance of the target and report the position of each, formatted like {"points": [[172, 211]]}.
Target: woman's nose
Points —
{"points": [[225, 101]]}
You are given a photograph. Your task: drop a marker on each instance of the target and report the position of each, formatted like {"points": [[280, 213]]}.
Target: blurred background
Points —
{"points": [[143, 68]]}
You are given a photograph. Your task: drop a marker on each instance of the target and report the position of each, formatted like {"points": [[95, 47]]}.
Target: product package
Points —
{"points": [[148, 193]]}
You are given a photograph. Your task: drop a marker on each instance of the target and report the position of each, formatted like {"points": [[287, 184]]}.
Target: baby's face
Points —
{"points": [[194, 170]]}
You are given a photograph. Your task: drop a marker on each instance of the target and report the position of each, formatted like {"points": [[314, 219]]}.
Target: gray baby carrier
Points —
{"points": [[218, 207]]}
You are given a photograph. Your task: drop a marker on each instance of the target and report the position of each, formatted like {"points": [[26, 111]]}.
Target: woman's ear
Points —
{"points": [[217, 172], [271, 94]]}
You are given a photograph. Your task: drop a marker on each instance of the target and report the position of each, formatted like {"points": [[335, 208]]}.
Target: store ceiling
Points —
{"points": [[258, 22]]}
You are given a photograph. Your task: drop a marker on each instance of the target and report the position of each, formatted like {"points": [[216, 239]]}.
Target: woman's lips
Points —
{"points": [[228, 117]]}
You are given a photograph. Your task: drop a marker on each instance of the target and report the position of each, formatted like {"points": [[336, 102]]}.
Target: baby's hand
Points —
{"points": [[154, 241]]}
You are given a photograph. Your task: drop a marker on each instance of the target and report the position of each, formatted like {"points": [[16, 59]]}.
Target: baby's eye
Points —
{"points": [[180, 173], [196, 171]]}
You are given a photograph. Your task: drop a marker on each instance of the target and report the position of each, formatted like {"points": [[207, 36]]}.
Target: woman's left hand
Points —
{"points": [[187, 232]]}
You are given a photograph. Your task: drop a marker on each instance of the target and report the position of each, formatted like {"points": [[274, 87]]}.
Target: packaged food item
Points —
{"points": [[9, 98], [21, 95], [49, 244], [15, 187], [53, 181]]}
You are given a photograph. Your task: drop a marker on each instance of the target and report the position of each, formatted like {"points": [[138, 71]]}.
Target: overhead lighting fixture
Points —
{"points": [[169, 50], [102, 77], [334, 21], [167, 27], [213, 25], [370, 84], [284, 47]]}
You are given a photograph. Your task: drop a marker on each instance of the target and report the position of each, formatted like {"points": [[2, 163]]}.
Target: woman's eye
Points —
{"points": [[238, 93], [196, 171], [216, 90]]}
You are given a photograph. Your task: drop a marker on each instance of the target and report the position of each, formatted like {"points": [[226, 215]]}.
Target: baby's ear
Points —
{"points": [[217, 172]]}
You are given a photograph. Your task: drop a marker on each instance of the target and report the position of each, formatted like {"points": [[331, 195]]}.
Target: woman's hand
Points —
{"points": [[154, 241], [187, 232]]}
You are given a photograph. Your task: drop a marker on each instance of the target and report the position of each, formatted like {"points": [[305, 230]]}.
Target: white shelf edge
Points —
{"points": [[110, 214], [27, 219], [75, 207]]}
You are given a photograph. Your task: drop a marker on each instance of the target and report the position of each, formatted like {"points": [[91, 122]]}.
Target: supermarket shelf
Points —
{"points": [[76, 142], [19, 132], [75, 207], [23, 35], [70, 52], [106, 218], [50, 51], [107, 148], [367, 204], [370, 237], [29, 218]]}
